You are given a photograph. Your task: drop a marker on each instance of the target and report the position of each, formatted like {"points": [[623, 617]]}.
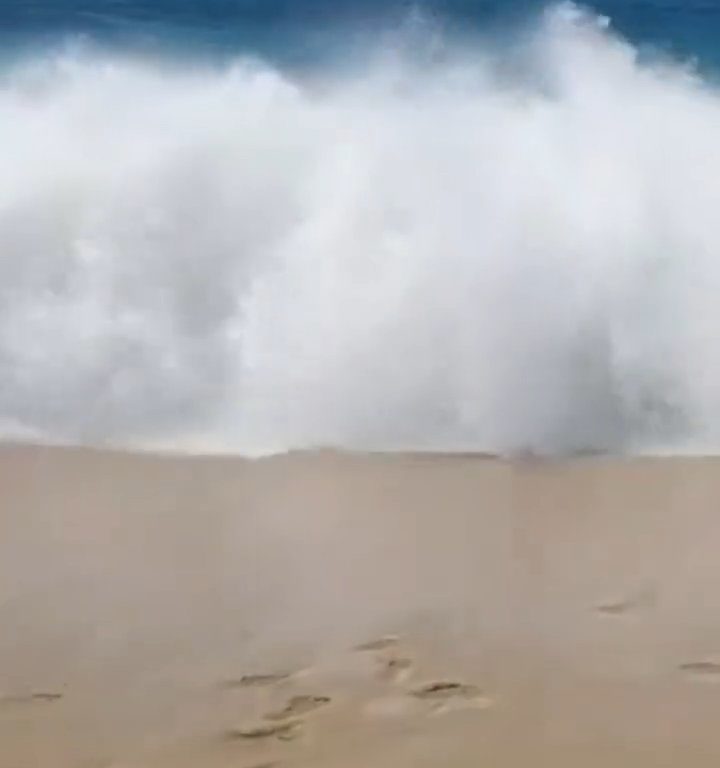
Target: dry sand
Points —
{"points": [[357, 612]]}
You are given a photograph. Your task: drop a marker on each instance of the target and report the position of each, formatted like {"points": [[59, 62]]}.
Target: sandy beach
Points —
{"points": [[349, 611]]}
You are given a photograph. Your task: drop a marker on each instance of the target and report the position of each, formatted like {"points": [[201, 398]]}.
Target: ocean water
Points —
{"points": [[304, 30], [260, 225]]}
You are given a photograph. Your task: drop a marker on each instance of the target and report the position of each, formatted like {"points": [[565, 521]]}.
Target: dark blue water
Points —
{"points": [[309, 29]]}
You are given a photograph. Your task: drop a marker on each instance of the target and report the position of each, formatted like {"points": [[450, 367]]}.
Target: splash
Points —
{"points": [[462, 248]]}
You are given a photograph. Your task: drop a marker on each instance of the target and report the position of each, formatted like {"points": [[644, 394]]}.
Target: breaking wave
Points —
{"points": [[442, 246]]}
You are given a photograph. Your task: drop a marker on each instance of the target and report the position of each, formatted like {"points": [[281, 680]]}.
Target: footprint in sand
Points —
{"points": [[42, 697], [645, 599], [443, 689], [381, 644], [615, 609], [704, 668], [447, 695], [285, 731], [440, 696], [299, 705], [257, 680]]}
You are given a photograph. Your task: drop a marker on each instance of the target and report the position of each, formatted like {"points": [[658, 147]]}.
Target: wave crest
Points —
{"points": [[471, 249]]}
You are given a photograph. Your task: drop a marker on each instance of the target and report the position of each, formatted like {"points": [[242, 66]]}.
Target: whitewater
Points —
{"points": [[435, 246]]}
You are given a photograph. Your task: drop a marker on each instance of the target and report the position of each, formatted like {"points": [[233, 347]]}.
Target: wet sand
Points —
{"points": [[347, 611]]}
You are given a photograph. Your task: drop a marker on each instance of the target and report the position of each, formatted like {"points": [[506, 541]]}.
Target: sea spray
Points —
{"points": [[476, 247]]}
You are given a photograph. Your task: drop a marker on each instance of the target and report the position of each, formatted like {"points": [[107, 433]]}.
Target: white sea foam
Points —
{"points": [[496, 250]]}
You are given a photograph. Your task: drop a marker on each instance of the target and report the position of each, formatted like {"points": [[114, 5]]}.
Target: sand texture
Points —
{"points": [[347, 611]]}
